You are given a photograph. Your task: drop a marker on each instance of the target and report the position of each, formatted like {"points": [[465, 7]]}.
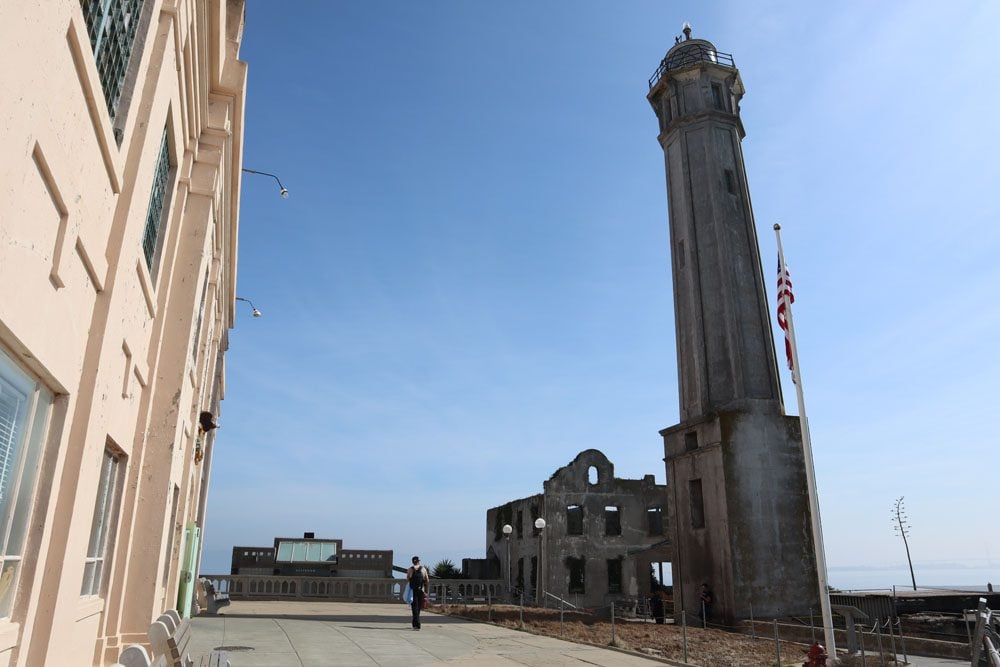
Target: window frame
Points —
{"points": [[160, 192], [117, 53], [15, 515], [107, 507]]}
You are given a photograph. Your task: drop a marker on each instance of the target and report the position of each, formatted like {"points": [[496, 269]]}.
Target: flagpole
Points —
{"points": [[817, 524]]}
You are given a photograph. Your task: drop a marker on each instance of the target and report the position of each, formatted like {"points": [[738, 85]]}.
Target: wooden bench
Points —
{"points": [[169, 636], [214, 600]]}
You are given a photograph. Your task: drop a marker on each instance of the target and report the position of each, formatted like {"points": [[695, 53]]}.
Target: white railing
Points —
{"points": [[370, 589]]}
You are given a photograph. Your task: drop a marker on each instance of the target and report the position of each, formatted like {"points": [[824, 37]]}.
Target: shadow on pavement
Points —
{"points": [[402, 619]]}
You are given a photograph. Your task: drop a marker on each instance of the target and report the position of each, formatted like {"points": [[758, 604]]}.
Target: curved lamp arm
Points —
{"points": [[284, 190]]}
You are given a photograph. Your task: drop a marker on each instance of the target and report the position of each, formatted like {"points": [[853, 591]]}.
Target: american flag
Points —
{"points": [[785, 287]]}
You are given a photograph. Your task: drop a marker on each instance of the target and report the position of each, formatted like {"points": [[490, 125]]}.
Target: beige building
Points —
{"points": [[121, 132]]}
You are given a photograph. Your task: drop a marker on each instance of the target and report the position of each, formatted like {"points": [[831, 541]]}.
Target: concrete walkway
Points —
{"points": [[307, 634]]}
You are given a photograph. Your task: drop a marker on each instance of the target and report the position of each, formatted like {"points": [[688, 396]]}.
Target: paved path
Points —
{"points": [[307, 634]]}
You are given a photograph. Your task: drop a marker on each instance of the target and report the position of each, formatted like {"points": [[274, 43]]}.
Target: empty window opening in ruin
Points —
{"points": [[615, 575], [535, 532], [661, 577], [654, 520], [519, 524], [697, 503], [520, 574], [574, 520], [575, 568], [691, 441], [592, 476], [612, 520], [534, 571]]}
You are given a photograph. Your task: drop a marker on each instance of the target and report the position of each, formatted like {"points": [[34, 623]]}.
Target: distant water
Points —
{"points": [[958, 578]]}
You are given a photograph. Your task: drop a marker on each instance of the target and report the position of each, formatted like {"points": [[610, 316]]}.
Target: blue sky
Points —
{"points": [[470, 282]]}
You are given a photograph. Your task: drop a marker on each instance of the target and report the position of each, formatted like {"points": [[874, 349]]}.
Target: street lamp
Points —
{"points": [[256, 313], [540, 525], [283, 191], [507, 530]]}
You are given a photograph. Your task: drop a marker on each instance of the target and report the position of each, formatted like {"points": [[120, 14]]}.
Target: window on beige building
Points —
{"points": [[113, 27], [157, 202], [105, 520], [24, 412]]}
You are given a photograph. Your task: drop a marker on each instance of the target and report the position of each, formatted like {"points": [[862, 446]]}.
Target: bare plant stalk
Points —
{"points": [[899, 519]]}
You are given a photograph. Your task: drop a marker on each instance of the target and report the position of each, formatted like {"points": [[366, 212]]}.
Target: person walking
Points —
{"points": [[706, 604], [417, 579]]}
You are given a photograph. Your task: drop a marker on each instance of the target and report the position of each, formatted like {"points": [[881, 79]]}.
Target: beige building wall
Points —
{"points": [[107, 360]]}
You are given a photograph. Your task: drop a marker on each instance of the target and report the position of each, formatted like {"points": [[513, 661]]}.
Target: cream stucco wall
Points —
{"points": [[82, 315]]}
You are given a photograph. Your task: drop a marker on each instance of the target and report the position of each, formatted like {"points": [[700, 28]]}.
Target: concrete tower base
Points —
{"points": [[740, 512]]}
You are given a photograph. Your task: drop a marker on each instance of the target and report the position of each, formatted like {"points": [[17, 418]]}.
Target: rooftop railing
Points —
{"points": [[690, 55]]}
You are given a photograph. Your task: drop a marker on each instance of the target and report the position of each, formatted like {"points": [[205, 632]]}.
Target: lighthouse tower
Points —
{"points": [[735, 467]]}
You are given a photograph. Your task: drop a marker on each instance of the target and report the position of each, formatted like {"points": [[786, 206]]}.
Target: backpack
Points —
{"points": [[417, 578]]}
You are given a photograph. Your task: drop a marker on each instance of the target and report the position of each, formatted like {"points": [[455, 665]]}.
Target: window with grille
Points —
{"points": [[112, 26], [105, 520], [157, 197], [24, 413]]}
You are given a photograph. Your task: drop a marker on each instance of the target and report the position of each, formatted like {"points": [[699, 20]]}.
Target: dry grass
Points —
{"points": [[707, 648]]}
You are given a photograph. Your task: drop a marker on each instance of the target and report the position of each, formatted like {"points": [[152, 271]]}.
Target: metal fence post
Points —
{"points": [[522, 610], [612, 623], [684, 631], [892, 640], [489, 605], [812, 625], [704, 616], [864, 658], [560, 617], [777, 644], [753, 624], [902, 639], [878, 633]]}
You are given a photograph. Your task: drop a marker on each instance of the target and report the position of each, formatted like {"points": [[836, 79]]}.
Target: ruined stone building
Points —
{"points": [[602, 535]]}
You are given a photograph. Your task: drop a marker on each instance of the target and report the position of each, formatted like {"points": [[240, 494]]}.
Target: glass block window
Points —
{"points": [[103, 527], [24, 412], [112, 26], [157, 197]]}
